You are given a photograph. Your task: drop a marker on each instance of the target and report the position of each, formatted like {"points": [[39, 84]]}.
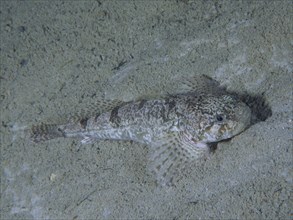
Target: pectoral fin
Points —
{"points": [[170, 155]]}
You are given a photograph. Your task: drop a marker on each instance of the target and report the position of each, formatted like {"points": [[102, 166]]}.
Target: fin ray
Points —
{"points": [[94, 109], [170, 155], [200, 84], [44, 132]]}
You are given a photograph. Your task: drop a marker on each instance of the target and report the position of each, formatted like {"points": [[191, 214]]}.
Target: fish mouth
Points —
{"points": [[241, 122], [233, 127]]}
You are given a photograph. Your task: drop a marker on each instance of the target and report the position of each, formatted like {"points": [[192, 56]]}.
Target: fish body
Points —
{"points": [[178, 128]]}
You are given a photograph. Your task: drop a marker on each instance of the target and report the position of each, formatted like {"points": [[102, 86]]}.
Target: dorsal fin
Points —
{"points": [[199, 84], [94, 109]]}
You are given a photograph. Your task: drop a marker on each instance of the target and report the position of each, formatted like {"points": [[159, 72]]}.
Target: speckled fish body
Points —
{"points": [[178, 128], [206, 119]]}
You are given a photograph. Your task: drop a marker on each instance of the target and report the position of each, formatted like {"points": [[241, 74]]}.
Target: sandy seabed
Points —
{"points": [[60, 56]]}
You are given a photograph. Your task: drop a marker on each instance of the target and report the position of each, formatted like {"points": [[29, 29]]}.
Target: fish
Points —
{"points": [[179, 128]]}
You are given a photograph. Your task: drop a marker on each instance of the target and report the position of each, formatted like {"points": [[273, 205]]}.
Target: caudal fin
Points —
{"points": [[45, 132]]}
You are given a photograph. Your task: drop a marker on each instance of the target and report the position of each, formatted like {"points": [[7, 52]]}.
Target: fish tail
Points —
{"points": [[43, 132]]}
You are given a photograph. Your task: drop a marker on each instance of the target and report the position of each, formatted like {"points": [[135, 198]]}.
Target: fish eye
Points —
{"points": [[219, 118]]}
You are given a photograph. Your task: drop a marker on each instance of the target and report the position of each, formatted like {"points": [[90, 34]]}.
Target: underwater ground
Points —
{"points": [[59, 56]]}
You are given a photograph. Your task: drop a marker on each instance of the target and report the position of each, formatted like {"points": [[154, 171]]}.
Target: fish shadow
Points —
{"points": [[260, 109]]}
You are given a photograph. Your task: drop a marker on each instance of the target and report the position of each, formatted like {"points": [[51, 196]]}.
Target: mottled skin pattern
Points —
{"points": [[144, 120], [178, 128]]}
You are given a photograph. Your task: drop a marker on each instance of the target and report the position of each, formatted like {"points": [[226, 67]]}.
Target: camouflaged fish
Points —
{"points": [[178, 128]]}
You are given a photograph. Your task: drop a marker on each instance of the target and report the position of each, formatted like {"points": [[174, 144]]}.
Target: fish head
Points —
{"points": [[224, 117]]}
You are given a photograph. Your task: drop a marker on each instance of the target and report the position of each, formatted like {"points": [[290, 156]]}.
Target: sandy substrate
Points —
{"points": [[57, 57]]}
